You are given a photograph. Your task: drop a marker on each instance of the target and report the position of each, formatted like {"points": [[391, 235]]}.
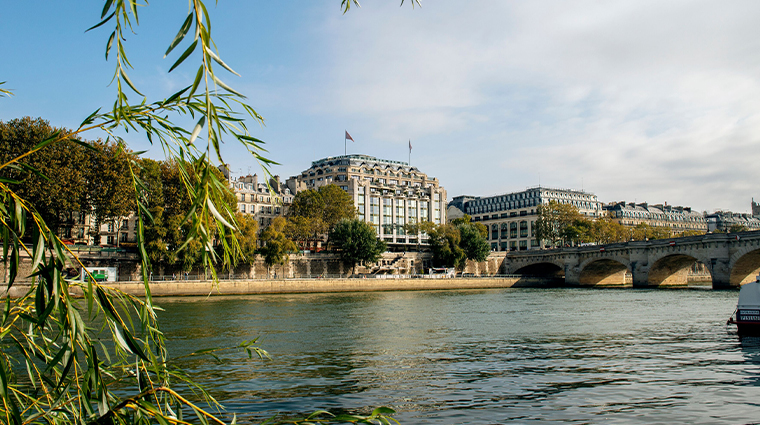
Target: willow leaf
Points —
{"points": [[181, 34]]}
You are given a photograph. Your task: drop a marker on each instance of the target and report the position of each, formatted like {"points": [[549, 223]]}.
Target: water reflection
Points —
{"points": [[480, 356]]}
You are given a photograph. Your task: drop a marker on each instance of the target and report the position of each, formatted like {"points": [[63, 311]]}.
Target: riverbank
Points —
{"points": [[292, 286]]}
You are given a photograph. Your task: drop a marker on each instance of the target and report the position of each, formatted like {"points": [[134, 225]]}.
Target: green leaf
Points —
{"points": [[218, 60], [56, 359], [89, 119], [6, 310], [13, 271], [216, 214], [184, 55], [48, 140], [102, 22], [197, 129], [226, 87], [196, 82], [106, 8], [181, 34], [133, 6], [383, 411], [109, 44], [129, 82], [15, 414], [39, 249], [174, 97], [105, 303], [126, 337]]}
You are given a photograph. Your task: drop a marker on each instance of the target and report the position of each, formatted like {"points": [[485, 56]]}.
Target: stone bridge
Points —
{"points": [[731, 258]]}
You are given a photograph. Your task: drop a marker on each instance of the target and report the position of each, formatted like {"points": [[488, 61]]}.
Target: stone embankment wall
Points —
{"points": [[290, 286], [302, 273], [298, 265]]}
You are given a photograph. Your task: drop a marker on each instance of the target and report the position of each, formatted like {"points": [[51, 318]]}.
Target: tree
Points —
{"points": [[276, 245], [473, 238], [154, 231], [356, 241], [53, 179], [338, 205], [553, 221], [473, 242], [605, 230], [643, 231], [303, 229], [314, 213], [737, 227], [249, 228], [110, 189], [308, 203], [445, 241]]}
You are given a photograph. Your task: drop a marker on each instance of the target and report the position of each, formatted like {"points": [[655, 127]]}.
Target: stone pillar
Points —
{"points": [[572, 275], [639, 273], [721, 273], [639, 263]]}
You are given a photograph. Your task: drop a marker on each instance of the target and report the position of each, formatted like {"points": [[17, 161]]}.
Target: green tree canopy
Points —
{"points": [[473, 242], [54, 179], [276, 245], [109, 184], [554, 222], [314, 213], [356, 241], [445, 242]]}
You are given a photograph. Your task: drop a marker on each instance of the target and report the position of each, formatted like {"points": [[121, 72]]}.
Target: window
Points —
{"points": [[374, 210]]}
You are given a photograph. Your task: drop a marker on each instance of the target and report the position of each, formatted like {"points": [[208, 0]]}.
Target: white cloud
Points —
{"points": [[648, 100]]}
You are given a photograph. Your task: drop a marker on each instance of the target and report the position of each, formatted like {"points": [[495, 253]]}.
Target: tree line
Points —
{"points": [[561, 224], [78, 177]]}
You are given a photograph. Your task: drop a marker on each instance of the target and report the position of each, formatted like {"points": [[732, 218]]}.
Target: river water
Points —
{"points": [[478, 356]]}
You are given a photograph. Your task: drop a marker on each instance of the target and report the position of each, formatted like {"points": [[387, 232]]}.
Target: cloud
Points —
{"points": [[637, 99]]}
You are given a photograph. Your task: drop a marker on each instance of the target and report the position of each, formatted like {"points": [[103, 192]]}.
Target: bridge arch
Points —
{"points": [[745, 265], [542, 269], [672, 269], [604, 271]]}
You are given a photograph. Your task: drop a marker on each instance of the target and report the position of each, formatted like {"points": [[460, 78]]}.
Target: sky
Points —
{"points": [[637, 101]]}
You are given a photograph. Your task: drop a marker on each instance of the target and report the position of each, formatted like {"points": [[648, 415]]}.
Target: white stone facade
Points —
{"points": [[511, 217], [387, 194]]}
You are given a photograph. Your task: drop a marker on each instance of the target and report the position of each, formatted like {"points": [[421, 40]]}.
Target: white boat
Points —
{"points": [[747, 315]]}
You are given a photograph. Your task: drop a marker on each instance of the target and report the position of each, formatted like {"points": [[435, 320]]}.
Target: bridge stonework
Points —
{"points": [[732, 259]]}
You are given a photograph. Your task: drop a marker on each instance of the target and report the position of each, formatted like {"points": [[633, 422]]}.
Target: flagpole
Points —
{"points": [[410, 152]]}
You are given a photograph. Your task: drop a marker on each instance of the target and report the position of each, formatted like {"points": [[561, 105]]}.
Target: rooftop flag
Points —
{"points": [[348, 137], [410, 145]]}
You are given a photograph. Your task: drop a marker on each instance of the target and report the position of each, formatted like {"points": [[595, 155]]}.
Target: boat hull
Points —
{"points": [[747, 321]]}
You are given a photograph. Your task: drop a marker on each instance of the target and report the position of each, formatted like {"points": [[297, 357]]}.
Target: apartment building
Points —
{"points": [[387, 194], [677, 218], [255, 198], [511, 217]]}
